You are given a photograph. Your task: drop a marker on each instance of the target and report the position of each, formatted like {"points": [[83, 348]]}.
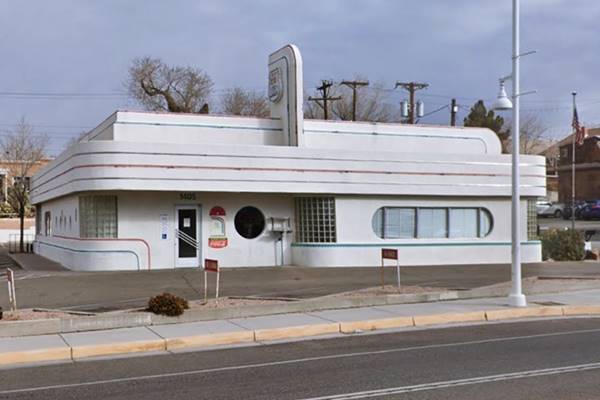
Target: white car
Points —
{"points": [[548, 209]]}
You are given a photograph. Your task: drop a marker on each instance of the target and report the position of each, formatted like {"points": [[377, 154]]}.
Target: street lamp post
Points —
{"points": [[516, 298]]}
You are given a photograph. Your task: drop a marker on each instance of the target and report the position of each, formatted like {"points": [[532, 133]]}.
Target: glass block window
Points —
{"points": [[532, 223], [429, 223], [315, 220], [98, 216]]}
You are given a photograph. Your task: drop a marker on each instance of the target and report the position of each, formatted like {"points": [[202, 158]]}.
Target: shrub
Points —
{"points": [[167, 304], [562, 245], [6, 210]]}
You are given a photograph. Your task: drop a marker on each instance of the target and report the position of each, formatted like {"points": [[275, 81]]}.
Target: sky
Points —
{"points": [[63, 62]]}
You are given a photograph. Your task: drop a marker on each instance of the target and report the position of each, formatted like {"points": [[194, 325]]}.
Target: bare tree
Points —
{"points": [[238, 101], [160, 87], [22, 150], [533, 137], [312, 109], [371, 104]]}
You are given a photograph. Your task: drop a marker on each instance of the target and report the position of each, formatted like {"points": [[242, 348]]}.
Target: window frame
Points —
{"points": [[381, 213]]}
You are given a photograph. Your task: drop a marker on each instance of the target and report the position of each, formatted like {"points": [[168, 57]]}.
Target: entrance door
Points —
{"points": [[188, 237]]}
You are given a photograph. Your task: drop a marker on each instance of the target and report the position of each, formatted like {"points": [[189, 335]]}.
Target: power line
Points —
{"points": [[434, 111]]}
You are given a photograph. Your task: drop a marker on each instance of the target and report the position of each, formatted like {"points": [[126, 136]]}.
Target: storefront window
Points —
{"points": [[430, 223]]}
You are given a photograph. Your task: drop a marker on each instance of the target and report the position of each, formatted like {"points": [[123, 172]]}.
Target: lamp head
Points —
{"points": [[502, 101]]}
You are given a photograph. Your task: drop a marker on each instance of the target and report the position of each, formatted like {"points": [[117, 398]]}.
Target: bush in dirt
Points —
{"points": [[167, 304], [562, 245]]}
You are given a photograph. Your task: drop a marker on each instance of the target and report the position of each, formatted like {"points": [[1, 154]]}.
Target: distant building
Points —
{"points": [[552, 160], [7, 180], [587, 167]]}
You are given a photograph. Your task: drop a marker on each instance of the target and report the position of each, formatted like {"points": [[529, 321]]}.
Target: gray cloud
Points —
{"points": [[460, 47]]}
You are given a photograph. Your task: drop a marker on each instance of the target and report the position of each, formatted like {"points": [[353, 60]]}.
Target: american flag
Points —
{"points": [[579, 130]]}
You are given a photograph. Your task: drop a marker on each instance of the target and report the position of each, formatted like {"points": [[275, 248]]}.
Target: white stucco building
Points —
{"points": [[158, 190]]}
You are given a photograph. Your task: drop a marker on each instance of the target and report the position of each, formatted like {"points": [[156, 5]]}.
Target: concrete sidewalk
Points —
{"points": [[206, 334]]}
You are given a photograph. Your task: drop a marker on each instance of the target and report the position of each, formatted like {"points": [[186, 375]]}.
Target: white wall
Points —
{"points": [[413, 255], [66, 247], [358, 245], [140, 216], [139, 223], [139, 227]]}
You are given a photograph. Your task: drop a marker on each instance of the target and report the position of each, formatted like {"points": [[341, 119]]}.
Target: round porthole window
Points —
{"points": [[249, 222]]}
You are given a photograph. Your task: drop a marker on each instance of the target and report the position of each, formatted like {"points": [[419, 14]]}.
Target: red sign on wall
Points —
{"points": [[389, 254], [211, 265], [217, 211]]}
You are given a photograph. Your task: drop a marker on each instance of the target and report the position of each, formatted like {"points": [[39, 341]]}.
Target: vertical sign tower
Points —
{"points": [[286, 93]]}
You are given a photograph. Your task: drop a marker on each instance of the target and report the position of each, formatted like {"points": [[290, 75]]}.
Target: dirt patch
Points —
{"points": [[389, 289], [27, 315], [227, 302]]}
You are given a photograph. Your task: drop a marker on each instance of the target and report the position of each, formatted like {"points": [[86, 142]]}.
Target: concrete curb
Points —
{"points": [[293, 332], [78, 352], [376, 324], [216, 339], [35, 356], [450, 318], [552, 311]]}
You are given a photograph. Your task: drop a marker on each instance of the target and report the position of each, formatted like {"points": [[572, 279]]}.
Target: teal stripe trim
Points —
{"points": [[137, 259], [446, 244], [197, 126], [399, 135]]}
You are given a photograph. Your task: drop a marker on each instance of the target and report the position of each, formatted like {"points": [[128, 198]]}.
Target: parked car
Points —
{"points": [[579, 205], [548, 209], [591, 210]]}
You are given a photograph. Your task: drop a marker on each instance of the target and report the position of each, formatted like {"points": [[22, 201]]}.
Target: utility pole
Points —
{"points": [[411, 87], [354, 85], [324, 89], [453, 111]]}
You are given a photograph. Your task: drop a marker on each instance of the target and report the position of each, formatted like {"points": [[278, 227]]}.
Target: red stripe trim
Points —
{"points": [[271, 169]]}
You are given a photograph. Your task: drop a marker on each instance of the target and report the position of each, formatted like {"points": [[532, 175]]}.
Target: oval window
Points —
{"points": [[485, 222], [249, 222], [430, 222]]}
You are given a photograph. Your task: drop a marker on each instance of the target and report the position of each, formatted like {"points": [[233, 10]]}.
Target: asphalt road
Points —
{"points": [[101, 291], [558, 359]]}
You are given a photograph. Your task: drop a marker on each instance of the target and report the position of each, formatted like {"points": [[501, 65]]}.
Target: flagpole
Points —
{"points": [[574, 137]]}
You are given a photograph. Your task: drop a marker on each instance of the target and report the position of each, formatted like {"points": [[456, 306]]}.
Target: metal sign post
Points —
{"points": [[12, 295], [390, 254], [211, 266]]}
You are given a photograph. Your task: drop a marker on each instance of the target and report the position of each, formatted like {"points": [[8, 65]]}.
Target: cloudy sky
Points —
{"points": [[63, 61]]}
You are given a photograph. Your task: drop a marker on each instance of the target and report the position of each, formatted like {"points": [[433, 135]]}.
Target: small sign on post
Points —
{"points": [[390, 254], [211, 266], [12, 295]]}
